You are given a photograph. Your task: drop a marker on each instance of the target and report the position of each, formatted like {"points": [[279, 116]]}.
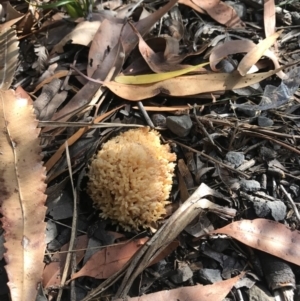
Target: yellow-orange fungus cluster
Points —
{"points": [[130, 179]]}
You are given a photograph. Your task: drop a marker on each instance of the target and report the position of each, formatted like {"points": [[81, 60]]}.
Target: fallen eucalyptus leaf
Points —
{"points": [[156, 77], [188, 85], [256, 53], [266, 235]]}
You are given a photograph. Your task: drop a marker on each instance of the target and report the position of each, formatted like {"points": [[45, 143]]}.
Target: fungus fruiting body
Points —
{"points": [[130, 179]]}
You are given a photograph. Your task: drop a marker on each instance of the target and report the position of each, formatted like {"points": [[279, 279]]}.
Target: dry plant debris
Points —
{"points": [[130, 179], [231, 201]]}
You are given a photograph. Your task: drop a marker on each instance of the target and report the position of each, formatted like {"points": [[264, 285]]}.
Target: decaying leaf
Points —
{"points": [[111, 259], [216, 292], [266, 235], [256, 53], [188, 85], [9, 52], [22, 196]]}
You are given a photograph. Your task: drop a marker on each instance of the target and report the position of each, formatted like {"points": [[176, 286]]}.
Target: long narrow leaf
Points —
{"points": [[156, 77]]}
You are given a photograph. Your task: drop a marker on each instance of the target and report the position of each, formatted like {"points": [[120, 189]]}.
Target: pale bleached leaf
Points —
{"points": [[9, 51], [22, 196]]}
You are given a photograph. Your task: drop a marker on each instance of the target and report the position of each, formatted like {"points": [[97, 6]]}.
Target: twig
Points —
{"points": [[288, 196], [74, 228], [145, 114], [58, 124], [201, 126]]}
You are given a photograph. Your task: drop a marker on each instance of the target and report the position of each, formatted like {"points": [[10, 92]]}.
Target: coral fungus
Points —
{"points": [[130, 179]]}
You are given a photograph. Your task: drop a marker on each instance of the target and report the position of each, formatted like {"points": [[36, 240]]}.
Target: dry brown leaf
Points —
{"points": [[105, 39], [25, 25], [256, 53], [269, 17], [53, 271], [213, 292], [110, 259], [167, 49], [82, 34], [158, 63], [22, 196], [218, 10], [239, 46], [188, 85], [192, 5], [268, 236], [9, 52]]}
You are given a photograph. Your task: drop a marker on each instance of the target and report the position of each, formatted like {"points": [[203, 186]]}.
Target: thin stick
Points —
{"points": [[288, 196], [74, 228]]}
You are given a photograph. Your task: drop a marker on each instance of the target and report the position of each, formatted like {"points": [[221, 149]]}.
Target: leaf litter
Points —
{"points": [[222, 91]]}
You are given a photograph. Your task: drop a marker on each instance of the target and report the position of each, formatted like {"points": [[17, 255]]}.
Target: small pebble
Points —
{"points": [[264, 121], [180, 125], [249, 185], [247, 112], [267, 153], [235, 158], [278, 210], [210, 276], [182, 274], [159, 120]]}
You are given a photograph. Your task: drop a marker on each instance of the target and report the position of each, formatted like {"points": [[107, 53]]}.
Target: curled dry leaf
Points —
{"points": [[268, 236], [166, 49], [256, 53], [157, 62], [216, 292], [22, 196], [239, 46]]}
